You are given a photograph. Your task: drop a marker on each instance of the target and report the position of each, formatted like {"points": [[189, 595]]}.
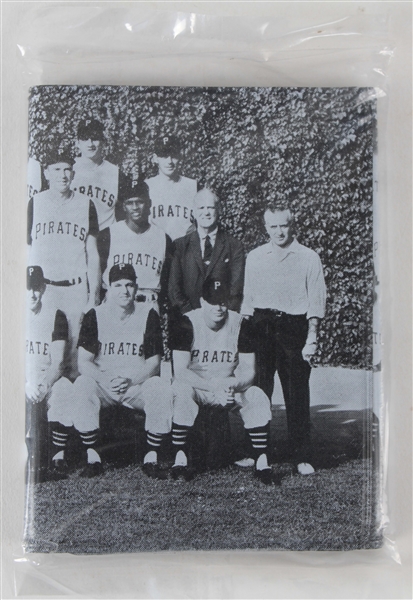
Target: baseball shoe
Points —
{"points": [[267, 477], [180, 472], [264, 475], [58, 470], [92, 470], [305, 469], [245, 463], [154, 471]]}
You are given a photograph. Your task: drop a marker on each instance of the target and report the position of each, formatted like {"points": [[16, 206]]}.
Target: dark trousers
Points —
{"points": [[280, 340]]}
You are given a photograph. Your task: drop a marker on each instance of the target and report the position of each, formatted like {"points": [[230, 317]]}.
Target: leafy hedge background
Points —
{"points": [[311, 146]]}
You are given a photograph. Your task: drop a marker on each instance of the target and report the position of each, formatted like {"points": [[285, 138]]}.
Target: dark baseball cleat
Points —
{"points": [[267, 477], [92, 470], [58, 470], [154, 471], [180, 472]]}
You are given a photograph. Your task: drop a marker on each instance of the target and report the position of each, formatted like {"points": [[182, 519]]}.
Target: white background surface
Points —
{"points": [[361, 574]]}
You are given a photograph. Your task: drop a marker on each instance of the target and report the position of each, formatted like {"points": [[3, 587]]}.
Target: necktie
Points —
{"points": [[207, 250]]}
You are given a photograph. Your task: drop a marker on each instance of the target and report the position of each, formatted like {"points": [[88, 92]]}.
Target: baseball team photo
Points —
{"points": [[202, 327]]}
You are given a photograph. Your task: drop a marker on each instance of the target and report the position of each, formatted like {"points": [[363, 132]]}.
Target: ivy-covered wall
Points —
{"points": [[311, 146]]}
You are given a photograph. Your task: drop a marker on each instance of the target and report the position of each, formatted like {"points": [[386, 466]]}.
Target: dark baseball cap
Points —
{"points": [[137, 189], [35, 278], [122, 271], [215, 291], [167, 145], [58, 155], [90, 129]]}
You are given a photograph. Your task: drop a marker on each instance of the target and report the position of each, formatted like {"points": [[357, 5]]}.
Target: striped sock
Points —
{"points": [[153, 441], [259, 440], [89, 438], [89, 441], [180, 436], [59, 437]]}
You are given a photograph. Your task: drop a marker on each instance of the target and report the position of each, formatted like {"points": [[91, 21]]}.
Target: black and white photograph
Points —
{"points": [[202, 327]]}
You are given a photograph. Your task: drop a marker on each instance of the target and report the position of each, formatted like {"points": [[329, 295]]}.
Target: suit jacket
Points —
{"points": [[188, 271]]}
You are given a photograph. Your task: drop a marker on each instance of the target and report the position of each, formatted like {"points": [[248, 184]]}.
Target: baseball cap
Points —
{"points": [[58, 155], [122, 271], [167, 145], [215, 291], [137, 189], [35, 278], [90, 129]]}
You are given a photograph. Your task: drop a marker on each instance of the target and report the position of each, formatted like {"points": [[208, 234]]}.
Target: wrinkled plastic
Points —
{"points": [[137, 45]]}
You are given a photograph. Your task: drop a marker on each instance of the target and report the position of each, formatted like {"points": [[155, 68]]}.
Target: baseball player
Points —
{"points": [[120, 346], [46, 342], [62, 230], [214, 364], [137, 242], [95, 177], [171, 193], [34, 177]]}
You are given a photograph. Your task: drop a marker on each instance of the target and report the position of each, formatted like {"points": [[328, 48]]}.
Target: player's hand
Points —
{"points": [[119, 385], [35, 393], [309, 351], [225, 397]]}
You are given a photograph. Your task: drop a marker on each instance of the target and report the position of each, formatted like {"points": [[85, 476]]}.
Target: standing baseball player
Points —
{"points": [[62, 230], [285, 292], [171, 193], [46, 344], [214, 364], [95, 177], [34, 177], [137, 242], [120, 346]]}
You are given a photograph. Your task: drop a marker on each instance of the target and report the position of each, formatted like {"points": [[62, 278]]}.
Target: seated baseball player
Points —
{"points": [[214, 364], [120, 347], [46, 344], [171, 193], [137, 242]]}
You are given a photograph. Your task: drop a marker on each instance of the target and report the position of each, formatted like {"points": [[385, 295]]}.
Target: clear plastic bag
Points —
{"points": [[78, 45]]}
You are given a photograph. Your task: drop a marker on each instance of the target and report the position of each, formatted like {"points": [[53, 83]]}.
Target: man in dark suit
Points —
{"points": [[208, 252]]}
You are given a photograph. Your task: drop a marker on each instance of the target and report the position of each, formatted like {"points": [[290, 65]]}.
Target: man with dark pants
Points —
{"points": [[285, 292]]}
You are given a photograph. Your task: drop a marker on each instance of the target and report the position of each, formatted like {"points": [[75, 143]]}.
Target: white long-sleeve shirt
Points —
{"points": [[287, 279]]}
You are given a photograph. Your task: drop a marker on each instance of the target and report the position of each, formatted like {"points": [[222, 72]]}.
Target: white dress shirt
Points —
{"points": [[287, 279]]}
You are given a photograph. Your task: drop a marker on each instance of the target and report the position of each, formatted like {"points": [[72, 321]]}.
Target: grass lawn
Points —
{"points": [[124, 511]]}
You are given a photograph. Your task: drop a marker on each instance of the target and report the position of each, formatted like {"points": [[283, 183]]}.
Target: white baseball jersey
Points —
{"points": [[34, 178], [145, 251], [99, 183], [121, 346], [172, 204], [43, 328], [214, 353], [58, 234]]}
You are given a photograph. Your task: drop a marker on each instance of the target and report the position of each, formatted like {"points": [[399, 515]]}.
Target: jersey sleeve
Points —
{"points": [[29, 221], [88, 336], [93, 219], [152, 341], [124, 186], [103, 245], [182, 334], [246, 338], [61, 327]]}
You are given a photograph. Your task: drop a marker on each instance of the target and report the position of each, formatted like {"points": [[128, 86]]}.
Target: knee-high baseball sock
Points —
{"points": [[59, 436], [179, 443], [89, 441], [259, 441], [153, 444]]}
